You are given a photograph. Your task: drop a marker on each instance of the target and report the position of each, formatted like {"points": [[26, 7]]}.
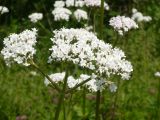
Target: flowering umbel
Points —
{"points": [[80, 15], [3, 10], [139, 17], [85, 49], [19, 47], [61, 14], [35, 17], [122, 24]]}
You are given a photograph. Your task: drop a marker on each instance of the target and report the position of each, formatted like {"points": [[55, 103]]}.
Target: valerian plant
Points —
{"points": [[97, 60]]}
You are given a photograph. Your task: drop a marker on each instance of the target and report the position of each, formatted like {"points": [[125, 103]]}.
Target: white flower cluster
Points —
{"points": [[122, 24], [84, 48], [61, 13], [96, 3], [34, 17], [80, 15], [157, 74], [19, 47], [70, 3], [93, 85], [138, 16], [3, 10], [79, 3], [75, 3], [59, 4]]}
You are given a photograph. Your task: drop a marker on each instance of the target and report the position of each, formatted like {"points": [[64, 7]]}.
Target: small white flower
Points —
{"points": [[88, 28], [34, 17], [3, 10], [112, 87], [59, 4], [34, 73], [95, 3], [61, 14], [80, 15], [122, 24], [157, 74]]}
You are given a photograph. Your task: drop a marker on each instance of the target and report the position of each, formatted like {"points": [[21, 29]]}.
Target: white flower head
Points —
{"points": [[157, 74], [59, 4], [80, 15], [122, 24], [95, 3], [3, 10], [56, 77], [61, 14], [79, 3], [138, 16], [19, 47], [70, 3], [34, 17], [83, 48]]}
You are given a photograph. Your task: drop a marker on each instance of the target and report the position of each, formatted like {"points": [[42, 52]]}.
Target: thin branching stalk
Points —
{"points": [[98, 100], [48, 20], [158, 101], [101, 19], [115, 105], [43, 27], [84, 103], [94, 21], [78, 85], [98, 95], [61, 97], [45, 75], [64, 111]]}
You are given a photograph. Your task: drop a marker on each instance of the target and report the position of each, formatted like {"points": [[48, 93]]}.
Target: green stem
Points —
{"points": [[98, 97], [64, 111], [94, 21], [41, 71], [102, 19], [61, 97], [115, 105], [158, 102], [84, 103], [42, 26]]}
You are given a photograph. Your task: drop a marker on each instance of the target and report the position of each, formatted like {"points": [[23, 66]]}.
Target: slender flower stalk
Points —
{"points": [[115, 102], [98, 95], [41, 71], [84, 103], [158, 101], [98, 100], [102, 19], [61, 97]]}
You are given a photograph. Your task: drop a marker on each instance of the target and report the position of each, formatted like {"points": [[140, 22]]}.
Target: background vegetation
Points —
{"points": [[24, 96]]}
